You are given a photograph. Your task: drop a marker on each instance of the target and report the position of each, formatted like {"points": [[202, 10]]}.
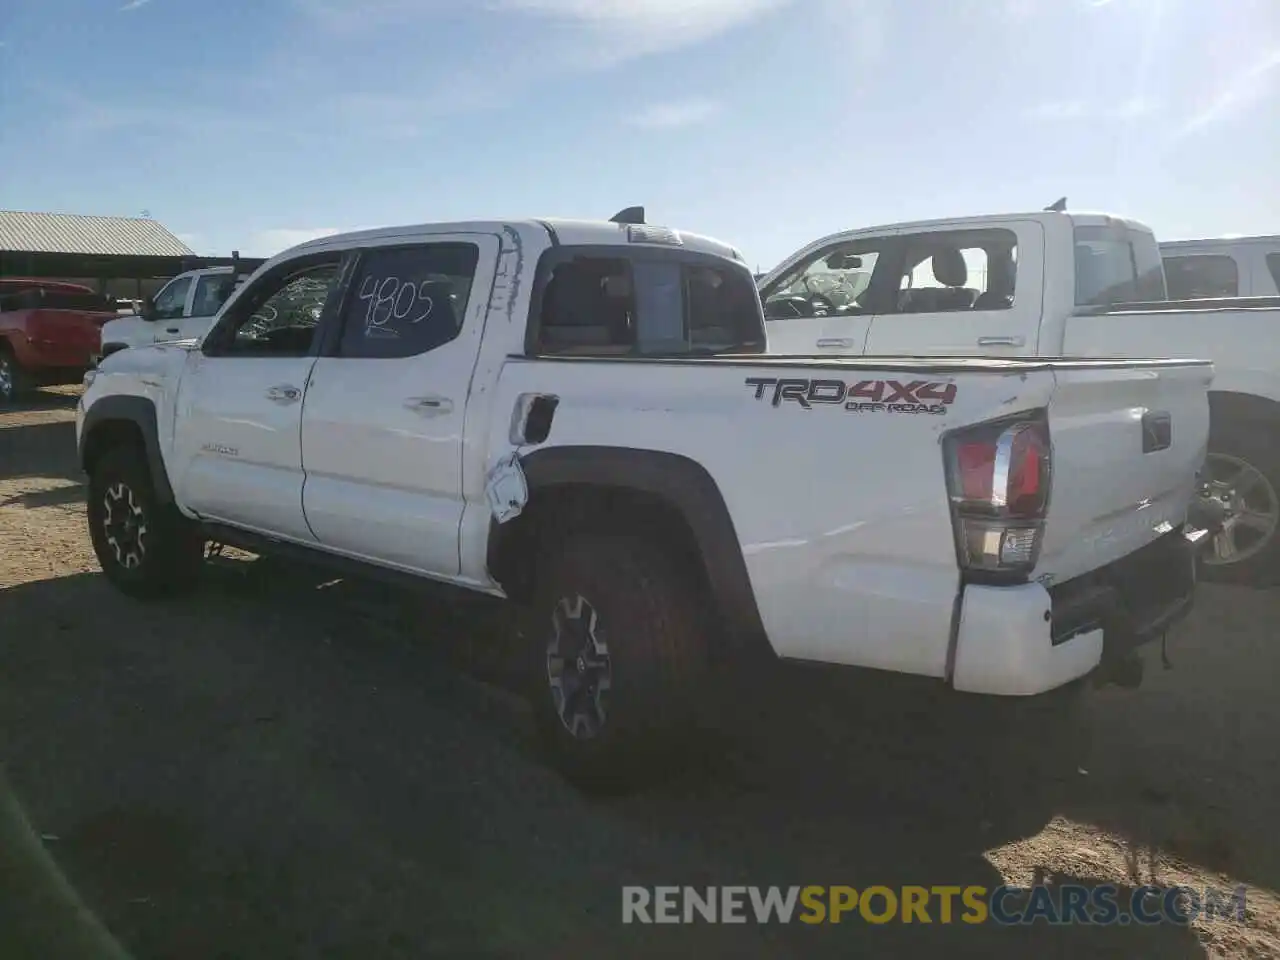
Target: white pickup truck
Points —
{"points": [[182, 309], [577, 416], [1222, 267], [1052, 284]]}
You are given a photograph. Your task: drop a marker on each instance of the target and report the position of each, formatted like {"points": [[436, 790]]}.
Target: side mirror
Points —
{"points": [[147, 311], [844, 261]]}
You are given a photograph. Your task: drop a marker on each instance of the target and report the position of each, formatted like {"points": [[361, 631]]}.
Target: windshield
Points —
{"points": [[1117, 265]]}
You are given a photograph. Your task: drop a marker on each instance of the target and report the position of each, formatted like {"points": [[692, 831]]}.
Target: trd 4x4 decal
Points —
{"points": [[864, 396]]}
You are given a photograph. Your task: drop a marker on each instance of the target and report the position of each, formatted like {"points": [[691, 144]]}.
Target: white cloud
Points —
{"points": [[134, 5], [1240, 92], [679, 113]]}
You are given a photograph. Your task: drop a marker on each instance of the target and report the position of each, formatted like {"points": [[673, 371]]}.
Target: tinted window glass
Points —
{"points": [[723, 310], [1201, 276], [279, 316], [610, 306], [405, 301], [172, 300]]}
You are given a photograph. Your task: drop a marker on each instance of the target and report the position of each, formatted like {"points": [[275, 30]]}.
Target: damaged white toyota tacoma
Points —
{"points": [[579, 416]]}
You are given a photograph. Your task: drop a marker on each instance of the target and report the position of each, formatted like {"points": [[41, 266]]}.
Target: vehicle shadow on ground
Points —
{"points": [[39, 449], [284, 765]]}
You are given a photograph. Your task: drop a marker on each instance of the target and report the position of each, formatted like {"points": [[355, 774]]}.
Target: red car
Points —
{"points": [[49, 331]]}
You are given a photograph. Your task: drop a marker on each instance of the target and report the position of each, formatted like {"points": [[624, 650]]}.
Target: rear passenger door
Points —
{"points": [[384, 418], [964, 292]]}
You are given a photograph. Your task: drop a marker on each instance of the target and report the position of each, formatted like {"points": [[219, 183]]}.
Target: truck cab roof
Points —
{"points": [[561, 230], [1049, 218]]}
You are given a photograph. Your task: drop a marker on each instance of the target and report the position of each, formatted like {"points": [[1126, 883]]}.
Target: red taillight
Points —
{"points": [[975, 462], [1026, 490], [999, 479]]}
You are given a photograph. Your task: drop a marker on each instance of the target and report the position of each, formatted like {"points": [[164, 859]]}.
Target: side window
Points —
{"points": [[1201, 277], [1117, 266], [279, 315], [606, 306], [834, 282], [958, 270], [588, 308], [405, 301], [1273, 265], [212, 291], [172, 300], [723, 311]]}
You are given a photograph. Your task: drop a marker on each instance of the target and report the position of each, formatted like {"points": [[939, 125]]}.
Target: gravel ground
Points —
{"points": [[286, 766]]}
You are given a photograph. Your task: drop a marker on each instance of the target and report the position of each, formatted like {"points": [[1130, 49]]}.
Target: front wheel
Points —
{"points": [[145, 548], [618, 649], [1242, 475], [13, 379]]}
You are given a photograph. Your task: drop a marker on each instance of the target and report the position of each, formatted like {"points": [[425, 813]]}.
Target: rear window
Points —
{"points": [[1201, 276], [1117, 265], [600, 305]]}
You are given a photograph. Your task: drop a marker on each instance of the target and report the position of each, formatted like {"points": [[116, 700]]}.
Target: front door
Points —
{"points": [[171, 304], [825, 305], [239, 449], [383, 428], [964, 292]]}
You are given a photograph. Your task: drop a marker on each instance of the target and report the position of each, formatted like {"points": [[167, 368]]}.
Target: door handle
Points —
{"points": [[1001, 341], [430, 406], [172, 330], [284, 393], [843, 343]]}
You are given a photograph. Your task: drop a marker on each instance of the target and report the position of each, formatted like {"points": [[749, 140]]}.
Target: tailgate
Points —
{"points": [[1128, 440]]}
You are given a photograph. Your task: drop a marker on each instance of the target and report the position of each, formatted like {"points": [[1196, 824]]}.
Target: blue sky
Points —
{"points": [[252, 124]]}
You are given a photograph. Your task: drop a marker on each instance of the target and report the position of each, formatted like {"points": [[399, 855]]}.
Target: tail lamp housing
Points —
{"points": [[999, 476]]}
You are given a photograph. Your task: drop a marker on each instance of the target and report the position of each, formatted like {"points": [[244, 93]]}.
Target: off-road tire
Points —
{"points": [[1254, 443], [650, 621], [172, 552]]}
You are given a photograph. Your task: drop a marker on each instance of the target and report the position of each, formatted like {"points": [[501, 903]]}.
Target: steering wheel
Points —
{"points": [[822, 304], [797, 305]]}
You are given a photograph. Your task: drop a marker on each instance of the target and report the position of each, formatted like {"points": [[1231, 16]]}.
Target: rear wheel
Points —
{"points": [[1242, 474], [145, 548], [618, 649]]}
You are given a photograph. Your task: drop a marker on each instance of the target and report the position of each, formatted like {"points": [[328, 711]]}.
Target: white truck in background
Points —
{"points": [[578, 417], [183, 308], [1222, 267], [1052, 284]]}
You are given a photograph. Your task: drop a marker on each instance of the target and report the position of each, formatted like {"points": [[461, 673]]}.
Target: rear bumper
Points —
{"points": [[1027, 639]]}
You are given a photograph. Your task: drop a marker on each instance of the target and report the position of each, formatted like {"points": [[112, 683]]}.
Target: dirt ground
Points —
{"points": [[286, 766]]}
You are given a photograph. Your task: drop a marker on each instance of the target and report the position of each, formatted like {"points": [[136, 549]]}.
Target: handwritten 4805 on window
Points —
{"points": [[408, 300], [391, 301]]}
